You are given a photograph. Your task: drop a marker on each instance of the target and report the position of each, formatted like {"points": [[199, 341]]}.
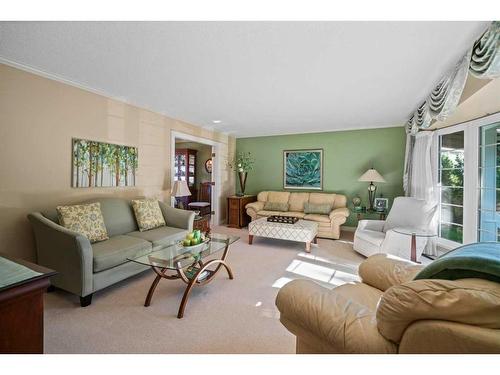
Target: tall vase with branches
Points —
{"points": [[242, 164]]}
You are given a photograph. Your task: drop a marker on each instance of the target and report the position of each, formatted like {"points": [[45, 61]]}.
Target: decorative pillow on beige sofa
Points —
{"points": [[276, 206], [85, 219], [148, 214], [321, 209]]}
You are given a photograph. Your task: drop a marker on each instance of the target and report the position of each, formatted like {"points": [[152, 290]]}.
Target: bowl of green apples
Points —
{"points": [[194, 240]]}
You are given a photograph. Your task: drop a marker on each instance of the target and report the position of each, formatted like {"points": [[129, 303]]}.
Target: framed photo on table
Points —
{"points": [[303, 169], [381, 204]]}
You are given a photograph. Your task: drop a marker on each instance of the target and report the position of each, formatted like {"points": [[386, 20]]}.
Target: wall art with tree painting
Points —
{"points": [[303, 169], [99, 164]]}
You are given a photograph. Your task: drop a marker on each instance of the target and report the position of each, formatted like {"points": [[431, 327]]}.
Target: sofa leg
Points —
{"points": [[86, 301]]}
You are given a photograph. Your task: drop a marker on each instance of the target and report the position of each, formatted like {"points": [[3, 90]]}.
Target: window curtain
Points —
{"points": [[421, 179], [485, 59], [482, 61], [410, 141]]}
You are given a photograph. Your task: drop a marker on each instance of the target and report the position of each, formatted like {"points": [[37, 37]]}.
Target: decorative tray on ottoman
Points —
{"points": [[282, 219]]}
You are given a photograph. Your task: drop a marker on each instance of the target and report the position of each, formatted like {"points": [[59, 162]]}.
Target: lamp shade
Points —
{"points": [[180, 189], [371, 175]]}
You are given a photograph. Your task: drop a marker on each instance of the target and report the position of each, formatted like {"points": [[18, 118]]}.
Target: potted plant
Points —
{"points": [[242, 163]]}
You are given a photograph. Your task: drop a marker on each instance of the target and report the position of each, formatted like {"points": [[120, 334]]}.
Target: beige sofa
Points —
{"points": [[389, 312], [329, 225]]}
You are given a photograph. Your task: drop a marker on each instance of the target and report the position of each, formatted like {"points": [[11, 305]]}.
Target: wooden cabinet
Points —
{"points": [[21, 306], [202, 223], [185, 170], [236, 213]]}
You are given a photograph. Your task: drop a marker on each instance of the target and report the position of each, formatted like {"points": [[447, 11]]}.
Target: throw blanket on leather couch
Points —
{"points": [[478, 260]]}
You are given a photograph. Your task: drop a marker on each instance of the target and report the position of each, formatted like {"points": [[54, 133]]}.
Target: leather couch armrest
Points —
{"points": [[467, 301], [67, 252], [329, 317], [383, 271], [177, 218], [443, 337], [342, 212]]}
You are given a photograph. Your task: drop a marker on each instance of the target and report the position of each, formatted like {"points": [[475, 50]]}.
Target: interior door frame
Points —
{"points": [[216, 170]]}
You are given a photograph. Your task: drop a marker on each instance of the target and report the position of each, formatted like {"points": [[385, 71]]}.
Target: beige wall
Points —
{"points": [[38, 119]]}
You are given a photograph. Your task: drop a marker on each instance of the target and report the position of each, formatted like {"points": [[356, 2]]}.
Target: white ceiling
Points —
{"points": [[258, 78]]}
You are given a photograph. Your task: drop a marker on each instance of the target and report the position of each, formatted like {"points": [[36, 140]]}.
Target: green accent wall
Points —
{"points": [[347, 155]]}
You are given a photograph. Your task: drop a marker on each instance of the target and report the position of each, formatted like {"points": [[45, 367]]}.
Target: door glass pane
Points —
{"points": [[489, 183], [452, 177], [452, 232], [451, 182], [490, 155], [490, 177], [452, 214], [452, 150], [452, 195], [490, 200], [486, 236]]}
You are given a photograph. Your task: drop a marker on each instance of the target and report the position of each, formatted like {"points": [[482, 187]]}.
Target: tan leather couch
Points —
{"points": [[329, 225], [389, 313]]}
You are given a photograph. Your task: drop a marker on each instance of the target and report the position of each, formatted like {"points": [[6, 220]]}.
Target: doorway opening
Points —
{"points": [[194, 162]]}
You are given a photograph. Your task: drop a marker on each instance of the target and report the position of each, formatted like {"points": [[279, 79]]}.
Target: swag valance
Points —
{"points": [[482, 61]]}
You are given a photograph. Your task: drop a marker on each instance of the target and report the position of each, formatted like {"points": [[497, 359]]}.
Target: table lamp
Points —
{"points": [[179, 190], [371, 176]]}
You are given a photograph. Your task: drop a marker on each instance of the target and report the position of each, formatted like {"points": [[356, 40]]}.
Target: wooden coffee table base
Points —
{"points": [[162, 273]]}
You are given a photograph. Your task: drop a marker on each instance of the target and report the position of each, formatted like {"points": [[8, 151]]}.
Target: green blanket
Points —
{"points": [[479, 260]]}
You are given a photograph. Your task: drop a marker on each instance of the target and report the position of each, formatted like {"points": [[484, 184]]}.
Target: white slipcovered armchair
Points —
{"points": [[378, 236]]}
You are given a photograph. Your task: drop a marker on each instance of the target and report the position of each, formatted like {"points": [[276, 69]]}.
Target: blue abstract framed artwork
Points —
{"points": [[303, 169]]}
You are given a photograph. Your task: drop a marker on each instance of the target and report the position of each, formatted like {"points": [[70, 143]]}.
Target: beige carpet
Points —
{"points": [[225, 316]]}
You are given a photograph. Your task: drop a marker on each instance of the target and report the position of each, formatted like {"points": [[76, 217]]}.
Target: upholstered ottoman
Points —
{"points": [[302, 231]]}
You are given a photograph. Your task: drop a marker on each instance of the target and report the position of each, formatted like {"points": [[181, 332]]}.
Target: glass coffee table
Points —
{"points": [[188, 264]]}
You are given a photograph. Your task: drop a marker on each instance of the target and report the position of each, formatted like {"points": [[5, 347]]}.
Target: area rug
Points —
{"points": [[225, 316]]}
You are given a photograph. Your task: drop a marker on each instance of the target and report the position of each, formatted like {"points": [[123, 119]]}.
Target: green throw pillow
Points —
{"points": [[276, 206], [321, 209]]}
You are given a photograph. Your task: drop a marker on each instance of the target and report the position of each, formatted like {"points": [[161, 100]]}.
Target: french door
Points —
{"points": [[468, 176]]}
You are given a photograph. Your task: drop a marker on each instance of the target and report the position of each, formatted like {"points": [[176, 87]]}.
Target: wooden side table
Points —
{"points": [[22, 285], [236, 213], [202, 223]]}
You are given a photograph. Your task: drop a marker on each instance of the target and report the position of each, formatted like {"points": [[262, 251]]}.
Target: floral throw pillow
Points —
{"points": [[148, 214], [85, 219]]}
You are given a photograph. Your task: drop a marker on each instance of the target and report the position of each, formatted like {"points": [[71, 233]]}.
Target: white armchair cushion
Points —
{"points": [[374, 237], [409, 212], [377, 225]]}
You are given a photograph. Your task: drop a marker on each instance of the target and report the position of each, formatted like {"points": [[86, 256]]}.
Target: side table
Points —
{"points": [[414, 233], [236, 214], [360, 215], [22, 285], [202, 223]]}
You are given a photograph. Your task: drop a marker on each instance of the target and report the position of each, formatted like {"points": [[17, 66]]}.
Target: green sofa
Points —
{"points": [[84, 268]]}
